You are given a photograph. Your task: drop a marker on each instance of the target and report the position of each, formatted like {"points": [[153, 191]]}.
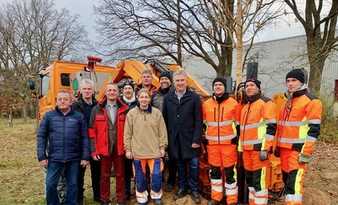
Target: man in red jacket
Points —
{"points": [[106, 135]]}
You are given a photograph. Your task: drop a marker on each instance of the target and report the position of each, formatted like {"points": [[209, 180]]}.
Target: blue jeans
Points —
{"points": [[71, 172], [188, 180]]}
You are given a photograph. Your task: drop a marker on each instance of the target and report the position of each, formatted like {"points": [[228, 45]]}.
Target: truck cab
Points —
{"points": [[66, 75]]}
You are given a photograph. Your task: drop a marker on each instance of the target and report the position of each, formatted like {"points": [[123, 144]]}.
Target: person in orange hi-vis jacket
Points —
{"points": [[219, 115], [257, 131], [298, 129]]}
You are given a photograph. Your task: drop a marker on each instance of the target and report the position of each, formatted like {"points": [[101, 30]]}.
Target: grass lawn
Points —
{"points": [[22, 179]]}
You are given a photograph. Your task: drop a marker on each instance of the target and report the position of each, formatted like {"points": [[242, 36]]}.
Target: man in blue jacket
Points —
{"points": [[62, 146]]}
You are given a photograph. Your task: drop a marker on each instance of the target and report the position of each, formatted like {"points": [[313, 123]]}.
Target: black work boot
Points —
{"points": [[180, 193], [195, 196]]}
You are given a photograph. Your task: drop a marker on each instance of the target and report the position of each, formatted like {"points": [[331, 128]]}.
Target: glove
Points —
{"points": [[263, 155], [277, 152], [304, 158]]}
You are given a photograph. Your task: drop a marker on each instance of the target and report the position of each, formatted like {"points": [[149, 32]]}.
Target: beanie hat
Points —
{"points": [[257, 82], [166, 74], [221, 80], [128, 82], [296, 73]]}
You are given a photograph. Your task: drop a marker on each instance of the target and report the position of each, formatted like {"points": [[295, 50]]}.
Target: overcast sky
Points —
{"points": [[84, 8]]}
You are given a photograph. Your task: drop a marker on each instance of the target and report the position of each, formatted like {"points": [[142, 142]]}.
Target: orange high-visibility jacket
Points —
{"points": [[299, 122], [257, 125], [220, 119]]}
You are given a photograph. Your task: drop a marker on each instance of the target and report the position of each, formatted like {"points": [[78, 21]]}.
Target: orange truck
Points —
{"points": [[66, 75]]}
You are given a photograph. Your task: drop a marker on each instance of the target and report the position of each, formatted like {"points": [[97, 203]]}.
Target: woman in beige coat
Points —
{"points": [[145, 140]]}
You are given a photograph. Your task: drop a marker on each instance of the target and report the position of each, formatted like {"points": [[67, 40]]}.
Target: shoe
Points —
{"points": [[158, 202], [169, 188], [195, 196], [213, 202], [80, 202], [180, 193], [97, 199]]}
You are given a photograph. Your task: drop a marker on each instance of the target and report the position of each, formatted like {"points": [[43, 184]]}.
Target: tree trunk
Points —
{"points": [[315, 77], [223, 71], [316, 61], [178, 34], [229, 54], [10, 118], [239, 42], [239, 61], [24, 112]]}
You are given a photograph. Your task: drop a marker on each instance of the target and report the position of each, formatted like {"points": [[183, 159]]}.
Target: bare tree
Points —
{"points": [[32, 34], [166, 29], [243, 24], [133, 30], [320, 29]]}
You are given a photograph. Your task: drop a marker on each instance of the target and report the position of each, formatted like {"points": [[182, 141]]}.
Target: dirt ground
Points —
{"points": [[22, 180]]}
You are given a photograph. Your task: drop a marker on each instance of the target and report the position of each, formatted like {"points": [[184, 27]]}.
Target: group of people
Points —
{"points": [[133, 132]]}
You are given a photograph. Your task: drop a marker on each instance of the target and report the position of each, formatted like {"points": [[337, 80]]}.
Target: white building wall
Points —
{"points": [[275, 58]]}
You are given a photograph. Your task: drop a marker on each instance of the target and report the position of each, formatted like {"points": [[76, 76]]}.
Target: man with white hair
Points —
{"points": [[182, 114], [85, 103]]}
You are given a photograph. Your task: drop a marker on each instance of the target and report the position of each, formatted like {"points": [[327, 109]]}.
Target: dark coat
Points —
{"points": [[184, 124], [81, 106], [158, 98], [63, 138], [130, 105]]}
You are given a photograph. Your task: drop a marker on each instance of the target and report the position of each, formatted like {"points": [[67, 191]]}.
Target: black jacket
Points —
{"points": [[184, 124], [81, 106], [130, 104], [158, 98]]}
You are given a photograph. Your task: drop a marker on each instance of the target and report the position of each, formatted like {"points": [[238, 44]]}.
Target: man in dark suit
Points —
{"points": [[182, 114]]}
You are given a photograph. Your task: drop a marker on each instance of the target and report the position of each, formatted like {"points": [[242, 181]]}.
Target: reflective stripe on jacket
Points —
{"points": [[299, 122], [257, 125], [220, 119]]}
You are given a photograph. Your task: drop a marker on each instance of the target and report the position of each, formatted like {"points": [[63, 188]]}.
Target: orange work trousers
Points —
{"points": [[222, 159], [255, 175], [293, 176]]}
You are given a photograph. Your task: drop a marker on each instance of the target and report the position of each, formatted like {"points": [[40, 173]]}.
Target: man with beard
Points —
{"points": [[157, 101], [257, 131]]}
